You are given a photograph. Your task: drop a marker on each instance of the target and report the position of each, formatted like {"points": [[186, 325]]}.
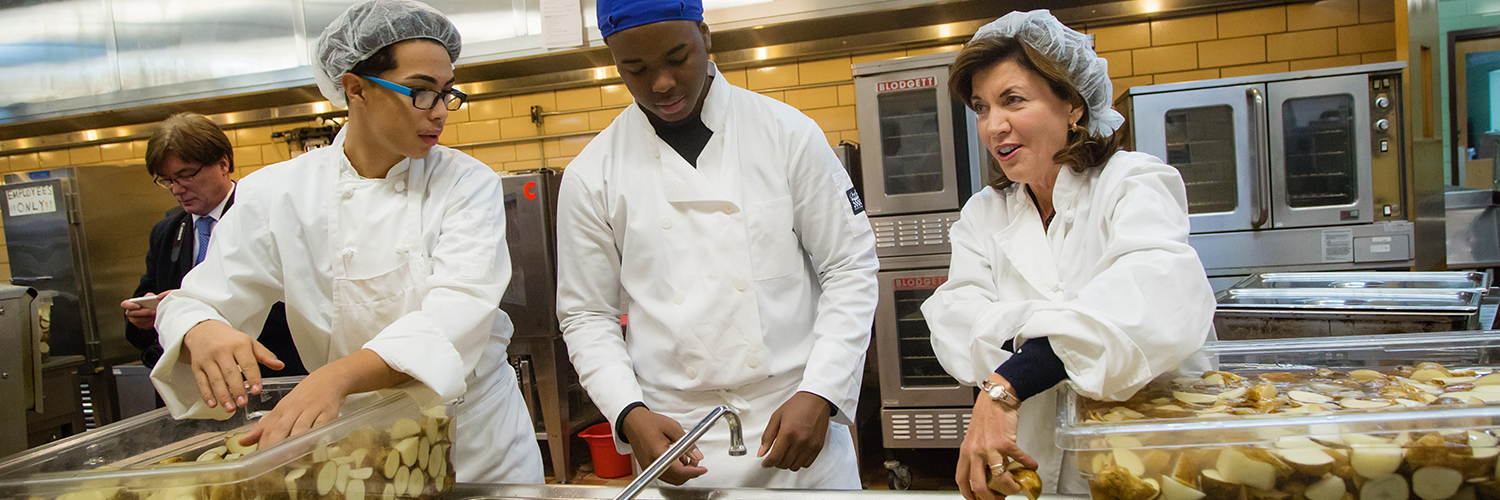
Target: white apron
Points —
{"points": [[836, 467], [490, 429]]}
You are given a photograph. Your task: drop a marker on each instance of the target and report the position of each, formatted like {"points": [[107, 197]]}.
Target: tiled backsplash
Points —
{"points": [[1295, 37]]}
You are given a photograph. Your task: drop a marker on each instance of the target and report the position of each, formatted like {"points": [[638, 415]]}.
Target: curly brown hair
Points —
{"points": [[1083, 149]]}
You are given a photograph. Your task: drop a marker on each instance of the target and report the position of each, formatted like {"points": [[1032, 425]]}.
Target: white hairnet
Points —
{"points": [[1071, 49], [368, 27]]}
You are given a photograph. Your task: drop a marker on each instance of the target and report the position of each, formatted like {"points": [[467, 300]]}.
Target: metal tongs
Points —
{"points": [[736, 449]]}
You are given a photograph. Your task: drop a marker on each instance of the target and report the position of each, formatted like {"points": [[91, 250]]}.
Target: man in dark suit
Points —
{"points": [[191, 157]]}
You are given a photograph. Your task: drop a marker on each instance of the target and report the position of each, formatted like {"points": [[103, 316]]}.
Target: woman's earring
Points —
{"points": [[1077, 129]]}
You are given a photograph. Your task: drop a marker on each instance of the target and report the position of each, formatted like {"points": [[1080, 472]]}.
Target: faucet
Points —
{"points": [[736, 448]]}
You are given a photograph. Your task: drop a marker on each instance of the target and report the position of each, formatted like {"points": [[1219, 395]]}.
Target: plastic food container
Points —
{"points": [[1424, 447], [1270, 313], [1383, 280], [382, 446]]}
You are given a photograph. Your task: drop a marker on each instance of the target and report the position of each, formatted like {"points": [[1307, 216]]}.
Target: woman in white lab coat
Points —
{"points": [[389, 252], [1077, 254]]}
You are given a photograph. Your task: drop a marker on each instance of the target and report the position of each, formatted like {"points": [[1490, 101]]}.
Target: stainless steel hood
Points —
{"points": [[172, 52]]}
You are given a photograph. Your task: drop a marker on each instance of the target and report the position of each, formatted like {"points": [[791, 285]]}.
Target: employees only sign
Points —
{"points": [[31, 200]]}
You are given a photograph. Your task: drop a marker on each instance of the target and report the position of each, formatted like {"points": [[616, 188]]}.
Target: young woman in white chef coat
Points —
{"points": [[747, 259], [1077, 253], [388, 250]]}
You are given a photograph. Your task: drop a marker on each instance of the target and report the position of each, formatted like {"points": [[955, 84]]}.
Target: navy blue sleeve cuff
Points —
{"points": [[1034, 368], [833, 411], [620, 421]]}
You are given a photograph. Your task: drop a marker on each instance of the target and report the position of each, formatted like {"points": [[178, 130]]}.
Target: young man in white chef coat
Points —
{"points": [[727, 224], [388, 250]]}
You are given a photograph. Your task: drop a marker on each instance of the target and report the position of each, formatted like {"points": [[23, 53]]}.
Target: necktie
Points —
{"points": [[205, 227]]}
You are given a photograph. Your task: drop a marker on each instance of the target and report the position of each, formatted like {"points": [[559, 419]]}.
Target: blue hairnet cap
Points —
{"points": [[619, 15]]}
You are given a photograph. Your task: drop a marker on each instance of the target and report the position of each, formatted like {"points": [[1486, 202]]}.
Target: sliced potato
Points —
{"points": [[404, 428], [215, 453], [341, 477], [1216, 486], [392, 462], [403, 478], [1309, 397], [1237, 468], [408, 450], [328, 474], [232, 443], [1372, 461], [1330, 487], [1386, 487], [1362, 404], [1118, 483], [1436, 483], [1196, 398], [1308, 461], [292, 481], [355, 490], [1174, 489], [417, 483]]}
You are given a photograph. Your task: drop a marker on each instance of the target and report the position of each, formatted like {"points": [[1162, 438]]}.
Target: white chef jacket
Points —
{"points": [[303, 230], [748, 278], [1112, 284]]}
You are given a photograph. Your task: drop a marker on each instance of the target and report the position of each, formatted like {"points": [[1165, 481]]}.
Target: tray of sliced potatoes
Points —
{"points": [[382, 446], [1380, 417]]}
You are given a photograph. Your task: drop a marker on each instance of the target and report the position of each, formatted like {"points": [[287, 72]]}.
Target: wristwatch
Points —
{"points": [[998, 393]]}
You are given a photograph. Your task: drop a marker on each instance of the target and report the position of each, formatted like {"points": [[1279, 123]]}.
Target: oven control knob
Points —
{"points": [[1382, 102], [1382, 124]]}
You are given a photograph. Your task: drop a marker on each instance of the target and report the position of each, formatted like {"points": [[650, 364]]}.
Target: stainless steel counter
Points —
{"points": [[1473, 222], [480, 491]]}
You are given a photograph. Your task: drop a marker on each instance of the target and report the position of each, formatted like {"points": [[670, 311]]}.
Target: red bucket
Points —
{"points": [[608, 463]]}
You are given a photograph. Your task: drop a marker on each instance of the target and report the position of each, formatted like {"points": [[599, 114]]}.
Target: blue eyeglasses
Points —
{"points": [[425, 98]]}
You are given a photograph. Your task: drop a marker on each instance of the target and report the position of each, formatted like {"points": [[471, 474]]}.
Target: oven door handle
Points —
{"points": [[1259, 213]]}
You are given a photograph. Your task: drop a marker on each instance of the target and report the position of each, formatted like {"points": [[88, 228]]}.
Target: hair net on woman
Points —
{"points": [[1071, 49], [368, 27]]}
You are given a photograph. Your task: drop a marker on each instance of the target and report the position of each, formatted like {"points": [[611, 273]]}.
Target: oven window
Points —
{"points": [[1320, 161], [911, 160], [1200, 143], [919, 365]]}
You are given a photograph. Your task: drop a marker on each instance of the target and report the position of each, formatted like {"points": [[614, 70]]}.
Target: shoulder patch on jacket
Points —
{"points": [[855, 204]]}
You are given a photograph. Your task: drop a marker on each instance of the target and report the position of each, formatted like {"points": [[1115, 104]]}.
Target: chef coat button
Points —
{"points": [[678, 298], [347, 193], [752, 360], [740, 284], [348, 252], [666, 223], [1057, 288], [692, 373], [400, 186]]}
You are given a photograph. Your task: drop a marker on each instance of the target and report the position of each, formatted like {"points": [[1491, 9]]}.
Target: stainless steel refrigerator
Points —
{"points": [[83, 232], [548, 381]]}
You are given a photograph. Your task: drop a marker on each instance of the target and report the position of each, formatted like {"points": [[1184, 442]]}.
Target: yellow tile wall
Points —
{"points": [[1248, 42]]}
